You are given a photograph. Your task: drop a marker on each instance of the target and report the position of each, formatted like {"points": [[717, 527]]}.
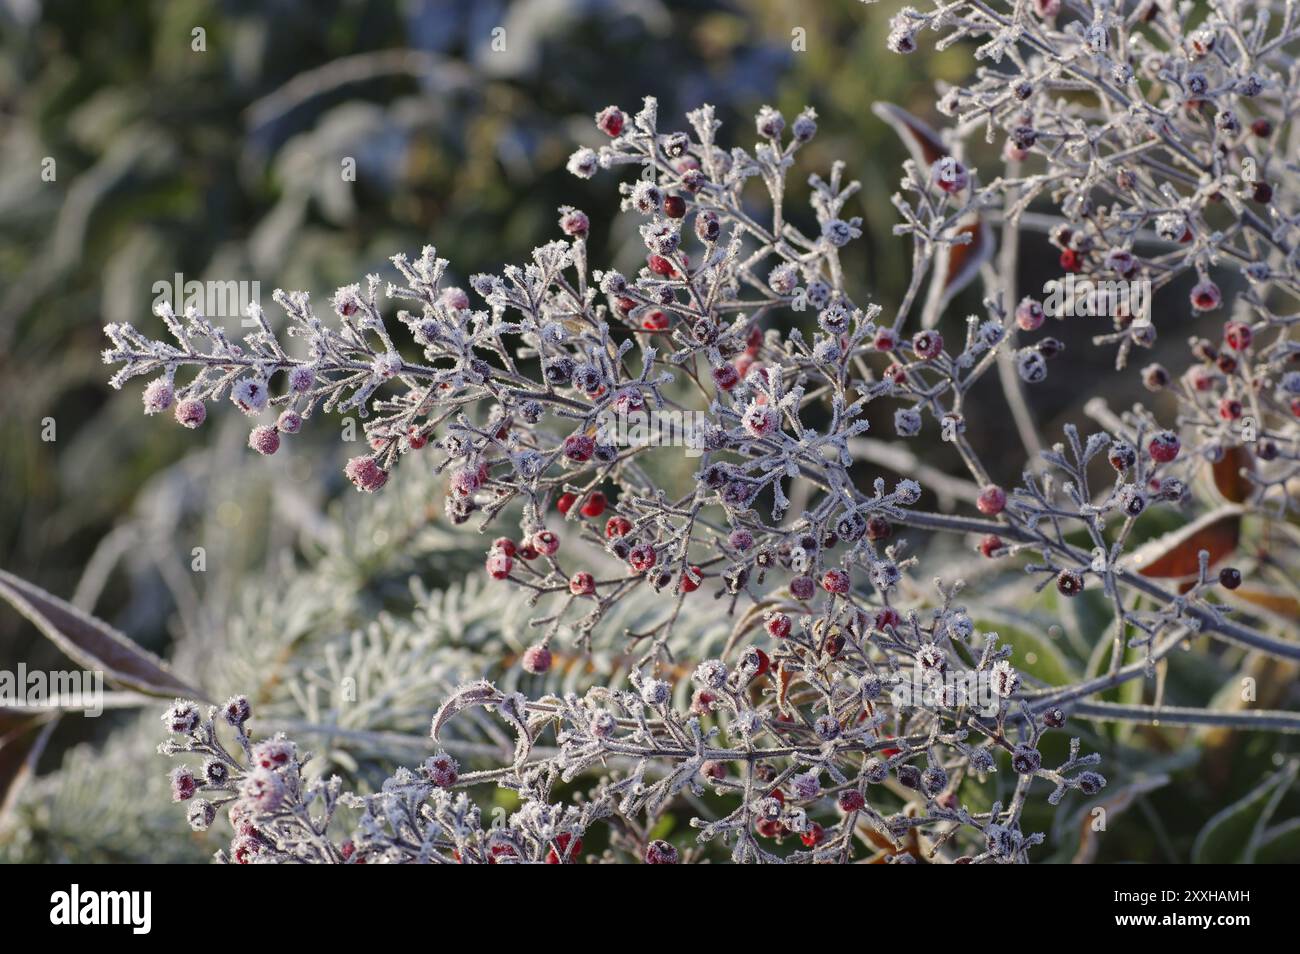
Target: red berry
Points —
{"points": [[1262, 128], [802, 588], [674, 207], [505, 545], [1206, 296], [726, 377], [1069, 583], [566, 502], [992, 500], [499, 564], [812, 836], [835, 581], [660, 853], [594, 506], [1229, 409], [582, 583], [610, 121], [778, 625], [878, 528], [1164, 447], [928, 345], [887, 617], [545, 542], [537, 659], [617, 527], [661, 266], [655, 321], [886, 340], [991, 544], [851, 800], [569, 848], [1071, 261], [642, 557], [579, 448], [1029, 315], [691, 579], [764, 663], [1237, 335]]}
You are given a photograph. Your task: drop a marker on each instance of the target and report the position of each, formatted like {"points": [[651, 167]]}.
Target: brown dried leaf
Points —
{"points": [[1174, 555], [92, 643], [921, 141], [1228, 477]]}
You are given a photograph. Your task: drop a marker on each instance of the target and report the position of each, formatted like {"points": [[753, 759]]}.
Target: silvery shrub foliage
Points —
{"points": [[854, 697]]}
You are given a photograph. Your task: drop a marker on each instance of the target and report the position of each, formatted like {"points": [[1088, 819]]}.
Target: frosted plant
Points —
{"points": [[850, 709]]}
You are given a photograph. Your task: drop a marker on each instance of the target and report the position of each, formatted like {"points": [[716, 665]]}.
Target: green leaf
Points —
{"points": [[1036, 654], [1232, 836], [1280, 844]]}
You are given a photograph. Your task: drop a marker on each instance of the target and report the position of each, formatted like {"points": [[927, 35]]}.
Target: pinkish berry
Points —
{"points": [[499, 564], [545, 542], [740, 540], [835, 581], [537, 659], [182, 717], [191, 412], [466, 481], [726, 377], [760, 420], [992, 500], [1029, 315], [454, 298], [991, 545], [582, 583], [928, 345], [366, 474], [886, 340], [802, 587], [1206, 296], [703, 702], [1230, 409], [236, 711], [249, 395], [950, 176], [579, 448], [1164, 447], [641, 558], [574, 223], [184, 784], [289, 422], [778, 625], [505, 545], [851, 800], [301, 379], [660, 852], [158, 396], [1237, 335], [265, 440], [617, 527], [442, 770], [264, 788], [610, 121]]}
